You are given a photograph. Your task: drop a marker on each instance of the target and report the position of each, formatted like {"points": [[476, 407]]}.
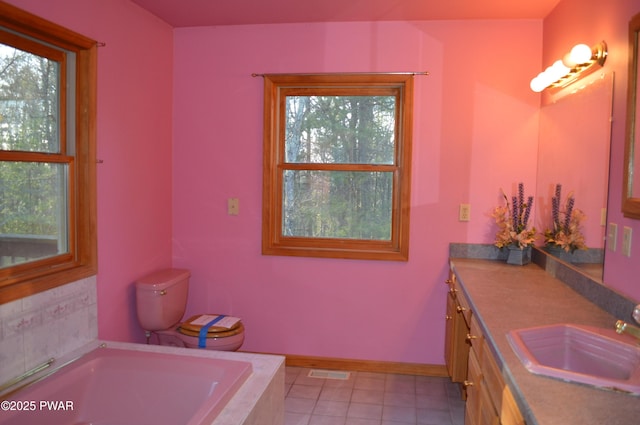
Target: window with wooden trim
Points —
{"points": [[337, 165], [47, 155]]}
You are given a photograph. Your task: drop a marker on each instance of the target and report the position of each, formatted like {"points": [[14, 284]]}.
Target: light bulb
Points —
{"points": [[581, 53], [558, 70], [568, 62], [538, 84]]}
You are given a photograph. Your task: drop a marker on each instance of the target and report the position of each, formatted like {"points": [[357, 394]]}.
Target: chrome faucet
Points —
{"points": [[623, 327]]}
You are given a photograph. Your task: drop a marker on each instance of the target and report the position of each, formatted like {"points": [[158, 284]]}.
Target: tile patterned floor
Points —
{"points": [[371, 399]]}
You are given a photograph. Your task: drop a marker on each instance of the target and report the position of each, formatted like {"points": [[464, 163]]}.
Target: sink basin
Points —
{"points": [[592, 356]]}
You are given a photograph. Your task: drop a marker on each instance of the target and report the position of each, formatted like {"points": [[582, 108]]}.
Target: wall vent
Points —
{"points": [[329, 374]]}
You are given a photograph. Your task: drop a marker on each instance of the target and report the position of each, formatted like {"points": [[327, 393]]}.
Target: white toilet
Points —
{"points": [[161, 300]]}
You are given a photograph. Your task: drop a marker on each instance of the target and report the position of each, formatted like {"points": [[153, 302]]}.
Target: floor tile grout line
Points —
{"points": [[444, 396]]}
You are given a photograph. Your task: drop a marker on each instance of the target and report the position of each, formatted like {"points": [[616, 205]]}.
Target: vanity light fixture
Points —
{"points": [[581, 60]]}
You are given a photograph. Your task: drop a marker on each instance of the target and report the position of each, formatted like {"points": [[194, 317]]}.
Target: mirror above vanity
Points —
{"points": [[575, 139], [631, 179]]}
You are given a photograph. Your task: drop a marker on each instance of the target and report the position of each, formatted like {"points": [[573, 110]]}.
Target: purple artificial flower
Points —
{"points": [[520, 198], [567, 214], [555, 212], [514, 213], [527, 212]]}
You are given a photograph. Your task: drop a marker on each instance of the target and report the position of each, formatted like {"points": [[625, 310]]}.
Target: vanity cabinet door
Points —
{"points": [[449, 336], [488, 414], [503, 404], [472, 385], [477, 411], [456, 346], [510, 413], [489, 401], [493, 381]]}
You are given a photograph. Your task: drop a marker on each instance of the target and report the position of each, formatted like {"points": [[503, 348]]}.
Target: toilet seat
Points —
{"points": [[214, 334], [174, 337], [229, 343], [212, 331]]}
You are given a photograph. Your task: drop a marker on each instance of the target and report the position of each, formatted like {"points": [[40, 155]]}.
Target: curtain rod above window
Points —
{"points": [[347, 73]]}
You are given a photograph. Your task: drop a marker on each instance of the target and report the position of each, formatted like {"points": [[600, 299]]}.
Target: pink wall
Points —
{"points": [[134, 141], [591, 21], [475, 131]]}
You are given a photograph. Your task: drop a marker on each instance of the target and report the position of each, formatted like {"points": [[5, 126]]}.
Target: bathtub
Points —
{"points": [[110, 386]]}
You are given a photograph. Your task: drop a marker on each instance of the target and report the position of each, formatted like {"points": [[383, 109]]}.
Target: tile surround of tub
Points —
{"points": [[45, 325]]}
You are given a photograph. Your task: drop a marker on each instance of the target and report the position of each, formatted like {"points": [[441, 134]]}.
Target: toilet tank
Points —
{"points": [[161, 299]]}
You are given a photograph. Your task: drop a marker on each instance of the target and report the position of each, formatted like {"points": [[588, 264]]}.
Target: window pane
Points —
{"points": [[29, 101], [33, 214], [337, 204], [340, 129]]}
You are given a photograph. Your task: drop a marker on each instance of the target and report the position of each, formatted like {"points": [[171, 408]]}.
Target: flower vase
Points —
{"points": [[519, 256], [560, 253]]}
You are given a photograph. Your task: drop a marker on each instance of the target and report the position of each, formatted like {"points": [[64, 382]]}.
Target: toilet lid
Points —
{"points": [[219, 334], [222, 324]]}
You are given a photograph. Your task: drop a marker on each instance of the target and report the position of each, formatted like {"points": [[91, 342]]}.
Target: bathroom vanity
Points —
{"points": [[488, 298], [471, 362]]}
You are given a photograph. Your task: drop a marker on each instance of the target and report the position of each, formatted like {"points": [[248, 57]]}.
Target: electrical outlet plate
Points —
{"points": [[464, 213], [612, 236]]}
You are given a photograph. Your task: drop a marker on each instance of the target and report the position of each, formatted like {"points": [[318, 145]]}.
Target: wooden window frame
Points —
{"points": [[273, 242], [80, 262]]}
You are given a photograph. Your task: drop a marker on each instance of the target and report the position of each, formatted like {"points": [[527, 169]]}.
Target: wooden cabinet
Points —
{"points": [[456, 349], [470, 361], [472, 385], [489, 400]]}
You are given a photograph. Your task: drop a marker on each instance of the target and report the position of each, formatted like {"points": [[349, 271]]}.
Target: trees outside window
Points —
{"points": [[337, 165], [33, 187]]}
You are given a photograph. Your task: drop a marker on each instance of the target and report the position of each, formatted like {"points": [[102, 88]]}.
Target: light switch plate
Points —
{"points": [[612, 236], [627, 232], [233, 206]]}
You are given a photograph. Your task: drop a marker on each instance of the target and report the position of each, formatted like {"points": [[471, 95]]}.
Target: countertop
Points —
{"points": [[505, 297]]}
